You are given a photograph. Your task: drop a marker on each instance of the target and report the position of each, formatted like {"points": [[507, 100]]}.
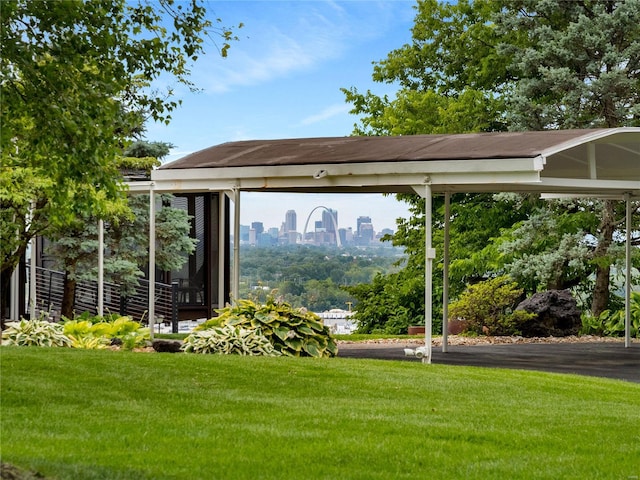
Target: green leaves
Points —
{"points": [[35, 333], [97, 332], [75, 90], [612, 322], [229, 340], [488, 65], [487, 307], [292, 332]]}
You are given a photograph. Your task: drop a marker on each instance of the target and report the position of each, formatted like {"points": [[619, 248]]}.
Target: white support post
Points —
{"points": [[32, 271], [445, 275], [428, 273], [100, 267], [222, 260], [627, 277], [235, 292], [152, 259]]}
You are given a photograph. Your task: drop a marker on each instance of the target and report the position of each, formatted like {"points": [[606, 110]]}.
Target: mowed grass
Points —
{"points": [[73, 414]]}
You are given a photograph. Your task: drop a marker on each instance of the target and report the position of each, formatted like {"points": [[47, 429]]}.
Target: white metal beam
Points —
{"points": [[578, 186], [381, 183], [491, 165], [152, 260], [445, 274], [627, 276], [100, 267], [32, 270], [222, 241], [235, 293], [428, 273]]}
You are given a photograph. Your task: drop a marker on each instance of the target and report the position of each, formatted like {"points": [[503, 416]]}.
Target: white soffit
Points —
{"points": [[374, 177], [612, 154]]}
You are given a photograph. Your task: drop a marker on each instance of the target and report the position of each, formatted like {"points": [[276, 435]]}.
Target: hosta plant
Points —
{"points": [[292, 331], [89, 343], [612, 323], [86, 330], [36, 333], [229, 340]]}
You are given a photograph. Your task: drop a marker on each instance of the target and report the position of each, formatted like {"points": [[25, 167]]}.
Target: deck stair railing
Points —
{"points": [[50, 286]]}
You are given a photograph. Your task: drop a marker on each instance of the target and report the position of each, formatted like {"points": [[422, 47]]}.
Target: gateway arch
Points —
{"points": [[334, 222]]}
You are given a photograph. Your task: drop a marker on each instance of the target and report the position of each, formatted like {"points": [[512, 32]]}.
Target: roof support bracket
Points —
{"points": [[591, 159]]}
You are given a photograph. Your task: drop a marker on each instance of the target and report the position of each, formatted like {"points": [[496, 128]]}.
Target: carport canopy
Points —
{"points": [[598, 163]]}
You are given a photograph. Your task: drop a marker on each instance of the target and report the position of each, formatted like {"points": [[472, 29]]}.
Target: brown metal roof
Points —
{"points": [[310, 151]]}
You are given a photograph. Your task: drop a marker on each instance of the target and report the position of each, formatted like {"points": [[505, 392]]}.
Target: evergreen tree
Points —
{"points": [[75, 250], [493, 65]]}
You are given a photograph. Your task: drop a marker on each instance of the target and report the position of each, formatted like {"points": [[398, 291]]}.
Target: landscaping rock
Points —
{"points": [[557, 314], [167, 346]]}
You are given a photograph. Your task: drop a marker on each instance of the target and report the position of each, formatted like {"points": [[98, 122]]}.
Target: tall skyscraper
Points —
{"points": [[361, 221], [258, 227], [366, 234], [290, 221], [330, 216]]}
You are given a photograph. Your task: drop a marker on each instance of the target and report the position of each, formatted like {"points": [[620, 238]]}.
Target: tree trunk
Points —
{"points": [[600, 300], [68, 296]]}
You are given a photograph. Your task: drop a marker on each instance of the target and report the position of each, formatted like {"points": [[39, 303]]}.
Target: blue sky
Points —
{"points": [[282, 79]]}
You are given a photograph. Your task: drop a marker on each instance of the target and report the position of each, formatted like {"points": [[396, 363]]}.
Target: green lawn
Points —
{"points": [[73, 414]]}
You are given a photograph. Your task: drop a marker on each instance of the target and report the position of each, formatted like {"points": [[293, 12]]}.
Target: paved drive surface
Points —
{"points": [[610, 360]]}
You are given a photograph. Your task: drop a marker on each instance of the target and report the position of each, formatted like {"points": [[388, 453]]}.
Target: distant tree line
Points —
{"points": [[313, 277], [507, 65]]}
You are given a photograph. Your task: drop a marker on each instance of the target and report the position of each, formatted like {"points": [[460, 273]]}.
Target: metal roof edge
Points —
{"points": [[590, 136]]}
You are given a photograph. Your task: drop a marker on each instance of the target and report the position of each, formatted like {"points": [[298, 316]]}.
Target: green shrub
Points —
{"points": [[488, 308], [229, 340], [35, 333], [612, 323], [390, 304], [292, 331]]}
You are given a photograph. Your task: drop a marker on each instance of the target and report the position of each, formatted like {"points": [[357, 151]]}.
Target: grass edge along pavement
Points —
{"points": [[74, 414]]}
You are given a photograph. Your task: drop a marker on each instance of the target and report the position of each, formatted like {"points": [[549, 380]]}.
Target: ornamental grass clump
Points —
{"points": [[229, 340], [292, 331]]}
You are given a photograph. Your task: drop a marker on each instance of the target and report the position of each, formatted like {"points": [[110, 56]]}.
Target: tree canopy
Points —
{"points": [[488, 65], [77, 82]]}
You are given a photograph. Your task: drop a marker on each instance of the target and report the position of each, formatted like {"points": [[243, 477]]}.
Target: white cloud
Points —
{"points": [[303, 36], [278, 59], [329, 112]]}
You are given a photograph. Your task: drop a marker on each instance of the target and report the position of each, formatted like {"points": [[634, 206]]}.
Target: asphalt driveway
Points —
{"points": [[610, 360]]}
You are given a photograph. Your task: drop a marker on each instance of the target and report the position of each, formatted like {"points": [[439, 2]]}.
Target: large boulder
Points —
{"points": [[167, 346], [557, 314]]}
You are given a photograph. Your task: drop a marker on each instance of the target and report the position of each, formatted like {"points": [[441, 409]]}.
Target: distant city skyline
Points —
{"points": [[311, 231], [271, 209]]}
